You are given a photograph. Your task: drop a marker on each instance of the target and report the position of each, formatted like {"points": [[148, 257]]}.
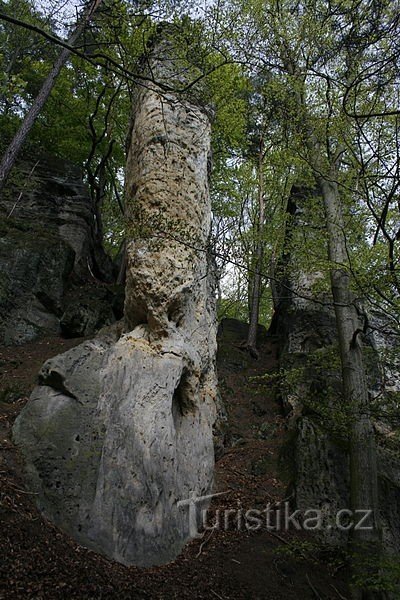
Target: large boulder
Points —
{"points": [[115, 435], [118, 436]]}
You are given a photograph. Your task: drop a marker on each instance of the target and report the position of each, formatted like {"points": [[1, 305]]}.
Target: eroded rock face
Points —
{"points": [[119, 431], [46, 239], [34, 268], [89, 308], [113, 440]]}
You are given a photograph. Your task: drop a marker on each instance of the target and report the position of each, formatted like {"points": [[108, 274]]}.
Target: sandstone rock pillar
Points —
{"points": [[118, 433]]}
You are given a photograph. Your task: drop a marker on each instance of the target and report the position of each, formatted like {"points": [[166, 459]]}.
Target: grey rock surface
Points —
{"points": [[113, 439], [46, 241], [88, 308], [34, 268]]}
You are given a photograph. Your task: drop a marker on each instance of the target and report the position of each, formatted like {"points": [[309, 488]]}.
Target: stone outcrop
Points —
{"points": [[90, 307], [47, 244], [311, 388], [120, 429]]}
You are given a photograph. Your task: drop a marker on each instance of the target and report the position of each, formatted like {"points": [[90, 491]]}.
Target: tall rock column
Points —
{"points": [[119, 432]]}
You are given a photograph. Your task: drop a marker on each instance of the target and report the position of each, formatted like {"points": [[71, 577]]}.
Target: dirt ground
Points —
{"points": [[231, 563]]}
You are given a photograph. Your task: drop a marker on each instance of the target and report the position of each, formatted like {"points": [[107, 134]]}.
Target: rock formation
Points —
{"points": [[311, 390], [120, 429], [46, 245]]}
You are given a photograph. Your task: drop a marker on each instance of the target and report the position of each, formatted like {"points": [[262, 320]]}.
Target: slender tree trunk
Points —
{"points": [[256, 290], [366, 543], [100, 194], [363, 458], [10, 155]]}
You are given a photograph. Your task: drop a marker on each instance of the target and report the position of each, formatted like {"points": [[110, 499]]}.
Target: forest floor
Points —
{"points": [[230, 563]]}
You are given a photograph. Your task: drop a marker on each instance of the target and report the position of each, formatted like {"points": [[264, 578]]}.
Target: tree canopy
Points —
{"points": [[305, 95]]}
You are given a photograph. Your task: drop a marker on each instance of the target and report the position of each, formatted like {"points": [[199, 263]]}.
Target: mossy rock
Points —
{"points": [[22, 231]]}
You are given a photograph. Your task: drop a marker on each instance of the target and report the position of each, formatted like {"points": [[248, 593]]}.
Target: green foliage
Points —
{"points": [[314, 379], [300, 550], [279, 70], [228, 308], [229, 90], [86, 118], [377, 574]]}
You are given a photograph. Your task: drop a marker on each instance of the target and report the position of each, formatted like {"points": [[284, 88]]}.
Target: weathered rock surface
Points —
{"points": [[46, 240], [34, 268], [89, 308], [113, 439], [120, 431]]}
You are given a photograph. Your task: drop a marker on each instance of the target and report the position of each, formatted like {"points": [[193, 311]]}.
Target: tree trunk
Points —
{"points": [[258, 265], [10, 155], [99, 196], [363, 459]]}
